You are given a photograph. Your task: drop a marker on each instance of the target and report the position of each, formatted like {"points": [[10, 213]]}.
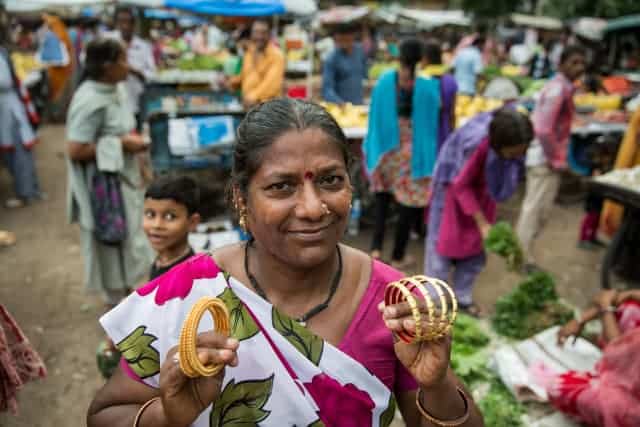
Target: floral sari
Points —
{"points": [[610, 396], [287, 376]]}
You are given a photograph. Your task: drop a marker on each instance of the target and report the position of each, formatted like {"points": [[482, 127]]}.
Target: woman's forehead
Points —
{"points": [[309, 148]]}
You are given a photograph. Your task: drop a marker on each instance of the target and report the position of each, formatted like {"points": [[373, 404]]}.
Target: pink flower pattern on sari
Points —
{"points": [[178, 281], [339, 405]]}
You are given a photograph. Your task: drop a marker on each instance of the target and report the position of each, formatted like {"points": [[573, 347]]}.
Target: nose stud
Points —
{"points": [[326, 209]]}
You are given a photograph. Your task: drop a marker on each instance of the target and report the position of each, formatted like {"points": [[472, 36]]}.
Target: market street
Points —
{"points": [[41, 281]]}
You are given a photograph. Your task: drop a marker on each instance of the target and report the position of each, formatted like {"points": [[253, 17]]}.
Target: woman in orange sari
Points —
{"points": [[628, 157], [59, 76]]}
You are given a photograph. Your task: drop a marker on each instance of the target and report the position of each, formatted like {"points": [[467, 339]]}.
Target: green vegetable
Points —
{"points": [[468, 360], [531, 308], [500, 408], [504, 242], [199, 62]]}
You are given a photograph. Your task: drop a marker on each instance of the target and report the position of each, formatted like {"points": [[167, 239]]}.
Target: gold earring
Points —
{"points": [[242, 220]]}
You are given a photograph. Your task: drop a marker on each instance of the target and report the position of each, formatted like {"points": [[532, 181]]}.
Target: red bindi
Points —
{"points": [[308, 175]]}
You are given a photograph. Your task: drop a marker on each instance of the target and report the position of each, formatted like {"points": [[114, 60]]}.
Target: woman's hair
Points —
{"points": [[101, 52], [411, 51], [508, 128], [268, 121], [182, 190], [433, 52]]}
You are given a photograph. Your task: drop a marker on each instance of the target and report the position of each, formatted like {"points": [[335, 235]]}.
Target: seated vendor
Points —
{"points": [[262, 74], [609, 396]]}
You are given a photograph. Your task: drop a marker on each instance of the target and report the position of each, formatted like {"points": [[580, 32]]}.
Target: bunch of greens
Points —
{"points": [[530, 308], [200, 62], [468, 360], [504, 242], [500, 408]]}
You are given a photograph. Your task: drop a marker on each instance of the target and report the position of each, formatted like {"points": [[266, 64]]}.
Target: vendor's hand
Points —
{"points": [[571, 329], [484, 230], [426, 361], [605, 298], [134, 143], [184, 398]]}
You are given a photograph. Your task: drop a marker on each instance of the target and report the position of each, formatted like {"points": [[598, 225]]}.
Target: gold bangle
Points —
{"points": [[434, 327], [188, 354], [453, 423], [136, 420]]}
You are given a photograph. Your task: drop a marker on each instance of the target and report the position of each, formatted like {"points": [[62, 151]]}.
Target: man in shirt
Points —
{"points": [[345, 69], [262, 74], [547, 155], [139, 55], [468, 64]]}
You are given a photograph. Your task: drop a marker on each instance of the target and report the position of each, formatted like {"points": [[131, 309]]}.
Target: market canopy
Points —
{"points": [[623, 23], [589, 28], [342, 14], [236, 7], [435, 18], [208, 7], [541, 22]]}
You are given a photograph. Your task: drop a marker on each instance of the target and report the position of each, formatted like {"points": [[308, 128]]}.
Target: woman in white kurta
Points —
{"points": [[99, 134]]}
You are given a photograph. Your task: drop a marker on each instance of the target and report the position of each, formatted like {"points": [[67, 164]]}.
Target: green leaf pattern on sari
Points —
{"points": [[240, 405], [317, 423], [302, 339], [141, 357], [386, 418], [242, 324]]}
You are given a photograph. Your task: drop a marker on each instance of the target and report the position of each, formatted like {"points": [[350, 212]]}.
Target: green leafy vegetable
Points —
{"points": [[468, 360], [500, 408], [504, 242], [531, 308]]}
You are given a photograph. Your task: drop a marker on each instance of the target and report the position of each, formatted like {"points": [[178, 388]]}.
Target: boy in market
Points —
{"points": [[547, 155], [170, 214]]}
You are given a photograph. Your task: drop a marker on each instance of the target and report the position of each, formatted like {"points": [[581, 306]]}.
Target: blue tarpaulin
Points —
{"points": [[229, 7]]}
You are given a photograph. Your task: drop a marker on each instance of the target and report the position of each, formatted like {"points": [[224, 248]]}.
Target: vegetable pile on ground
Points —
{"points": [[530, 308], [500, 408], [503, 241], [469, 361]]}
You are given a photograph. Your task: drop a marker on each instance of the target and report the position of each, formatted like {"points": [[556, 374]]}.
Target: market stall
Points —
{"points": [[621, 186]]}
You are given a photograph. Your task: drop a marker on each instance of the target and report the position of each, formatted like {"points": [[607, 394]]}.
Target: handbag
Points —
{"points": [[107, 206]]}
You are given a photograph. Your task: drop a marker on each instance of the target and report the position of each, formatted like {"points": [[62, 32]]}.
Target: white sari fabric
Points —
{"points": [[287, 376]]}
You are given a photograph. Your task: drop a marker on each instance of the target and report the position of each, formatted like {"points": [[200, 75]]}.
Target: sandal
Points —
{"points": [[472, 310]]}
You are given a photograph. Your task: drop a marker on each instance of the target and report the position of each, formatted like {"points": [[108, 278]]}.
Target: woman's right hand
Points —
{"points": [[184, 398], [133, 143], [571, 329]]}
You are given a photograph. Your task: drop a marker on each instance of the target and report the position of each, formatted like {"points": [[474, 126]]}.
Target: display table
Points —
{"points": [[630, 199]]}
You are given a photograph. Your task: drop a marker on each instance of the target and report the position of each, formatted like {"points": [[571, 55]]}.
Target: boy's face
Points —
{"points": [[167, 223]]}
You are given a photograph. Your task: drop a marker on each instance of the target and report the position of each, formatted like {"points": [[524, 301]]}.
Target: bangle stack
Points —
{"points": [[442, 423], [136, 420], [609, 309]]}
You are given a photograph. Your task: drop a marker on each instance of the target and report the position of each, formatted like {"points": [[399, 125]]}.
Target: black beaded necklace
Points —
{"points": [[315, 310]]}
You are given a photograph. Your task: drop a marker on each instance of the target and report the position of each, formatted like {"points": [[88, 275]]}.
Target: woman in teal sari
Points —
{"points": [[311, 342]]}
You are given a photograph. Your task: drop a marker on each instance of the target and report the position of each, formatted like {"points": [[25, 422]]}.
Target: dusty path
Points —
{"points": [[41, 284]]}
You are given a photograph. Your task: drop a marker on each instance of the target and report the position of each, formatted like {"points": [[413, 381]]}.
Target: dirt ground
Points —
{"points": [[41, 285]]}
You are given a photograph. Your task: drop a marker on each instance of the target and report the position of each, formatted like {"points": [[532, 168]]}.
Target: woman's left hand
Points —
{"points": [[427, 361], [606, 298]]}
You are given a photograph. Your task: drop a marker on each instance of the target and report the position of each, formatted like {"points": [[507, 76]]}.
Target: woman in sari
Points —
{"points": [[400, 148], [609, 396], [101, 140], [479, 165], [311, 343]]}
